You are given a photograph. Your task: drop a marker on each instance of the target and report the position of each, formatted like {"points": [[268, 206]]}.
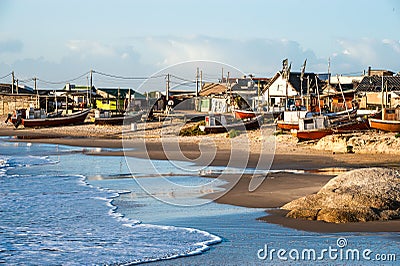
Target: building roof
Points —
{"points": [[294, 80], [218, 89], [123, 93], [212, 89], [374, 84], [7, 88]]}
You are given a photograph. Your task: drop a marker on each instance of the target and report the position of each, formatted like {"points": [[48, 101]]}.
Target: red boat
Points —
{"points": [[385, 125], [75, 118], [312, 134], [243, 114], [390, 120], [287, 125]]}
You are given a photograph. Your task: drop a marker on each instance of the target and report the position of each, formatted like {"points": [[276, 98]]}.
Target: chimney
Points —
{"points": [[369, 71]]}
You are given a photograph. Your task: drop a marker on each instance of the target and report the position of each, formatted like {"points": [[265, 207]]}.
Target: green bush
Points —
{"points": [[233, 133], [397, 135], [193, 130]]}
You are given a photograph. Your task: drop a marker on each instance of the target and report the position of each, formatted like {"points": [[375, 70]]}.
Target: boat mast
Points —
{"points": [[344, 99], [319, 101], [382, 97]]}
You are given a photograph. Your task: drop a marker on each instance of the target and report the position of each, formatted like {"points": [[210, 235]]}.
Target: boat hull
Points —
{"points": [[242, 114], [287, 125], [254, 123], [77, 118], [312, 134], [117, 120], [385, 125]]}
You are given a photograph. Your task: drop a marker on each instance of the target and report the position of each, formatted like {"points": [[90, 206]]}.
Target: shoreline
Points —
{"points": [[276, 190]]}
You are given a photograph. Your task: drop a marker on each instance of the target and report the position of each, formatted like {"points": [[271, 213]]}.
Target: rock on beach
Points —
{"points": [[361, 195]]}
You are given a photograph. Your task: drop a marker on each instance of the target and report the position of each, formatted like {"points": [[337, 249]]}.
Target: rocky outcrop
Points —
{"points": [[366, 142], [361, 195]]}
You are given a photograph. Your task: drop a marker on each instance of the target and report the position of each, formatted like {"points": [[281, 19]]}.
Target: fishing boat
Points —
{"points": [[119, 119], [286, 125], [290, 120], [75, 118], [312, 128], [244, 114], [312, 134], [249, 124], [390, 120]]}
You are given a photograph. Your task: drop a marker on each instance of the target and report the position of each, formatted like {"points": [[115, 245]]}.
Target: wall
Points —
{"points": [[10, 103]]}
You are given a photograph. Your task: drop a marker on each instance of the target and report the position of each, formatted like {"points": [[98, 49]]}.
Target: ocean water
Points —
{"points": [[60, 206]]}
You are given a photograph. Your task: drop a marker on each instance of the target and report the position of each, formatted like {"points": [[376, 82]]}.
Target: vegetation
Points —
{"points": [[233, 133], [193, 130]]}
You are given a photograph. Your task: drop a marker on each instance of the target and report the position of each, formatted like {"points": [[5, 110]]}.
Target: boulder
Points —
{"points": [[360, 195]]}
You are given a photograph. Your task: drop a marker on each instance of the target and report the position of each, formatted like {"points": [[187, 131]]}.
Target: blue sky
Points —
{"points": [[58, 40]]}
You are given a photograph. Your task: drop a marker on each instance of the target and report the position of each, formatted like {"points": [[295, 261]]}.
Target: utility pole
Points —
{"points": [[329, 83], [91, 86], [201, 79], [167, 88], [197, 82], [13, 81], [17, 86], [37, 93], [87, 91], [222, 75], [230, 91], [329, 70]]}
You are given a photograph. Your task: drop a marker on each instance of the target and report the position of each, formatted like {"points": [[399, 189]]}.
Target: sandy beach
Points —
{"points": [[315, 167]]}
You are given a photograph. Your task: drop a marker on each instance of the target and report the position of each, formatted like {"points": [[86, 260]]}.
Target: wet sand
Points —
{"points": [[276, 190]]}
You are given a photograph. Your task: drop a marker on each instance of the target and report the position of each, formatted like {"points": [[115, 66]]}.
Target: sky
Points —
{"points": [[59, 40]]}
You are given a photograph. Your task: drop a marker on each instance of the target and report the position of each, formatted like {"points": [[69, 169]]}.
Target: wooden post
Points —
{"points": [[197, 82], [13, 81], [37, 94], [91, 86], [167, 88]]}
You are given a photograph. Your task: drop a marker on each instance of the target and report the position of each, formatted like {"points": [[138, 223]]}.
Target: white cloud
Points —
{"points": [[261, 56], [85, 48], [358, 54]]}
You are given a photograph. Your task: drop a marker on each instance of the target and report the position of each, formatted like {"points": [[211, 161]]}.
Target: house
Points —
{"points": [[288, 92], [214, 97], [118, 99], [81, 95], [183, 99], [340, 90], [239, 93], [16, 97], [249, 88], [383, 88]]}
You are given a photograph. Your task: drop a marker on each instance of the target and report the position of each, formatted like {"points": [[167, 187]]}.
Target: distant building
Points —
{"points": [[118, 99], [339, 93], [81, 95], [244, 93], [15, 98], [290, 92], [377, 90]]}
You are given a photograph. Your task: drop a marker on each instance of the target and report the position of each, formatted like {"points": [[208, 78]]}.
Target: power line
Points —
{"points": [[183, 79], [9, 74], [123, 77], [64, 81]]}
